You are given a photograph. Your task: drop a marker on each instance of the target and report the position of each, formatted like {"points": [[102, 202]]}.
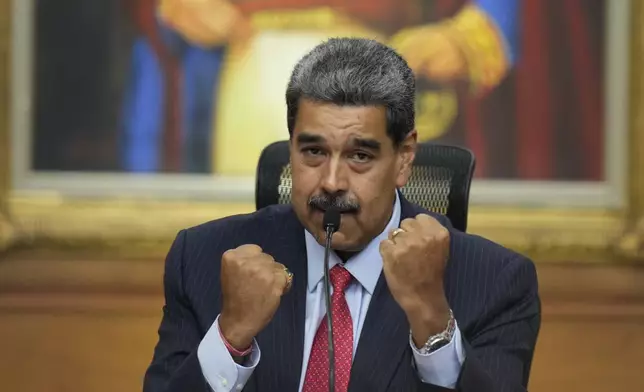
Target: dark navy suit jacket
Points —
{"points": [[491, 290]]}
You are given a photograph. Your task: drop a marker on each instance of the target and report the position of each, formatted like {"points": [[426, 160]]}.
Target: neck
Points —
{"points": [[346, 255]]}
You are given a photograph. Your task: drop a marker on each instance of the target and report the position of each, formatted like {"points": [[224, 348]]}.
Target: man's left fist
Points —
{"points": [[414, 258]]}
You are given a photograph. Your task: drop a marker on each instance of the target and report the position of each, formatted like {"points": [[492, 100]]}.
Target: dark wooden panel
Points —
{"points": [[84, 325]]}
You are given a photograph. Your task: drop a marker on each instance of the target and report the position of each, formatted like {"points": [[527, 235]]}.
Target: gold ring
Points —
{"points": [[396, 232], [289, 279]]}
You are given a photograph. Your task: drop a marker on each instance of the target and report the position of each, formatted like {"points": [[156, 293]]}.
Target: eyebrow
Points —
{"points": [[307, 138], [370, 144]]}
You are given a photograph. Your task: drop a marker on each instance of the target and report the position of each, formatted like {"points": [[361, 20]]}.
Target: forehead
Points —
{"points": [[337, 123]]}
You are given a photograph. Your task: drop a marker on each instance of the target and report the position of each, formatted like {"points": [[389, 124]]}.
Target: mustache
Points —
{"points": [[339, 203]]}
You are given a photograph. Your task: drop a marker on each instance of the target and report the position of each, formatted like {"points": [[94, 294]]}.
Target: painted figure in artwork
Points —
{"points": [[209, 72], [208, 75], [168, 109]]}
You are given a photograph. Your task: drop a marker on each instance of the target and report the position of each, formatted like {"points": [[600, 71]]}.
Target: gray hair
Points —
{"points": [[355, 71]]}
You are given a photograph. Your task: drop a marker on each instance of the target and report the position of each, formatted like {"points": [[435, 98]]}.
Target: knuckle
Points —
{"points": [[408, 224], [407, 221], [419, 241], [261, 276], [418, 244], [266, 258], [229, 256], [264, 281], [249, 249], [443, 234], [426, 220], [384, 245]]}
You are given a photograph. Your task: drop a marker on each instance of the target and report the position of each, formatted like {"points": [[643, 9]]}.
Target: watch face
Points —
{"points": [[438, 345]]}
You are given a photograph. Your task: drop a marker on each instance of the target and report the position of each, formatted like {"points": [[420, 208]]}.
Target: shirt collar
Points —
{"points": [[365, 266]]}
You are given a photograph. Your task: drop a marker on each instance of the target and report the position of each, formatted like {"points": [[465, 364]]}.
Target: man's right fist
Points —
{"points": [[252, 284]]}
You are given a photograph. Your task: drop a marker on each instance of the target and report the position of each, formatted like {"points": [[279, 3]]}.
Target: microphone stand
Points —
{"points": [[330, 229]]}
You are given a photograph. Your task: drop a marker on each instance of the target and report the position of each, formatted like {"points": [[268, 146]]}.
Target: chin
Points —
{"points": [[338, 239], [342, 243], [342, 240]]}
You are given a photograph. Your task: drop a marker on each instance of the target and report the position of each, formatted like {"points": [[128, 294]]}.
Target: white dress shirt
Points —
{"points": [[441, 367]]}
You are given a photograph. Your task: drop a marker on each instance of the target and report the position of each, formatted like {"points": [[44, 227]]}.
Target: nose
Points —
{"points": [[335, 178]]}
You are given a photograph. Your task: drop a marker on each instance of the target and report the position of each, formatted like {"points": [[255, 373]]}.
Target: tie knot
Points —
{"points": [[340, 278]]}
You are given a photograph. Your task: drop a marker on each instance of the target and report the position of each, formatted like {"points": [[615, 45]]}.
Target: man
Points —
{"points": [[416, 304]]}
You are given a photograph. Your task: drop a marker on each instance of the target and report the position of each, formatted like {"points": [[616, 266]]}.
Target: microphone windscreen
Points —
{"points": [[332, 219]]}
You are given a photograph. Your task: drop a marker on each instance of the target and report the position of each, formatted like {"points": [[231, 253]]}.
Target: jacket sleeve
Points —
{"points": [[499, 356], [175, 366], [500, 347], [499, 352]]}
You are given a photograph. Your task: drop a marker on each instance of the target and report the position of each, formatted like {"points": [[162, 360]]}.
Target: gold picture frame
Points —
{"points": [[135, 227]]}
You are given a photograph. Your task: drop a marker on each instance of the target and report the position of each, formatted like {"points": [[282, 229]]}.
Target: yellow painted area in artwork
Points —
{"points": [[483, 46], [251, 107]]}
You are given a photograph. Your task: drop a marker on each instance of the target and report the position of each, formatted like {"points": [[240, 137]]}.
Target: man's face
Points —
{"points": [[342, 157]]}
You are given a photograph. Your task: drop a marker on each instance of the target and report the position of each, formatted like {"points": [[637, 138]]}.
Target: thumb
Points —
{"points": [[386, 248]]}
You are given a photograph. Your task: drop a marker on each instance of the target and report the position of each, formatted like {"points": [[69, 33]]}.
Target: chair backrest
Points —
{"points": [[440, 180]]}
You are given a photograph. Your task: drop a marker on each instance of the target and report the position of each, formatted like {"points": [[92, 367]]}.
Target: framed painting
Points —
{"points": [[124, 123]]}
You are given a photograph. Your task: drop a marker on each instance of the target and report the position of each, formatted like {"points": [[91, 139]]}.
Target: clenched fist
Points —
{"points": [[414, 258], [252, 284]]}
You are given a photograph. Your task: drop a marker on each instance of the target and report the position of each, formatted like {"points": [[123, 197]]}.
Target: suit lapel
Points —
{"points": [[282, 342], [384, 339]]}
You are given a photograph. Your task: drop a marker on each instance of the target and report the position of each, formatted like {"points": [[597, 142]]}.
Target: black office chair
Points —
{"points": [[440, 180]]}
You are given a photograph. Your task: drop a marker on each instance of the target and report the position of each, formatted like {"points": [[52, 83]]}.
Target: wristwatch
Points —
{"points": [[439, 340]]}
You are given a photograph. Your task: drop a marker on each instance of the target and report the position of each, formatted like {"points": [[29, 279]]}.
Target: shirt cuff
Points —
{"points": [[217, 365], [443, 366]]}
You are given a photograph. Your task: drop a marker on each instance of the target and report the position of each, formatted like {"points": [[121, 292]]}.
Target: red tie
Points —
{"points": [[317, 373]]}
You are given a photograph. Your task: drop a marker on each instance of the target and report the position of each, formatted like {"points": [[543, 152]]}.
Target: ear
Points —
{"points": [[290, 149], [406, 156]]}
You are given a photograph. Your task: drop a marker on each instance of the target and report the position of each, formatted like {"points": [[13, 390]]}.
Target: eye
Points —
{"points": [[312, 151], [361, 157]]}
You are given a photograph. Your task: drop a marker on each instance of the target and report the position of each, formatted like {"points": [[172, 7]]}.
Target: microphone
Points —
{"points": [[331, 223]]}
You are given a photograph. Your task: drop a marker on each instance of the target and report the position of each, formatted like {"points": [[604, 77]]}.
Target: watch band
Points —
{"points": [[439, 340]]}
